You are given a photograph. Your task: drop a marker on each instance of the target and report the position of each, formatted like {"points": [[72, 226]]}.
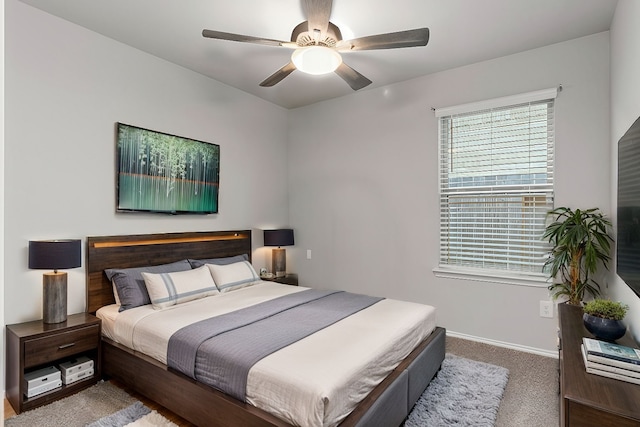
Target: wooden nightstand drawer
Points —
{"points": [[43, 350]]}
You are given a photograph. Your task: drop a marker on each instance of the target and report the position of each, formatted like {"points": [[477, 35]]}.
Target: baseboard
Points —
{"points": [[538, 351]]}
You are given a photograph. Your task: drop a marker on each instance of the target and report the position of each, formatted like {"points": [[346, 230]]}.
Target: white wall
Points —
{"points": [[2, 322], [363, 186], [625, 109], [66, 87]]}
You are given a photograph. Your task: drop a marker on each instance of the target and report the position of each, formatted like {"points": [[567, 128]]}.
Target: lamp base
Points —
{"points": [[279, 262], [54, 297]]}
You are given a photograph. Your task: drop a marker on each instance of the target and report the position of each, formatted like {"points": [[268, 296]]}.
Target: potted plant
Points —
{"points": [[603, 318], [580, 243]]}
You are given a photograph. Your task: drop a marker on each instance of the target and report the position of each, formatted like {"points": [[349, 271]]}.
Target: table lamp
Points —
{"points": [[54, 255], [280, 237]]}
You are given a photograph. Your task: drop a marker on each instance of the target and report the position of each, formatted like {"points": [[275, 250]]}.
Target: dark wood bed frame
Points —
{"points": [[386, 405]]}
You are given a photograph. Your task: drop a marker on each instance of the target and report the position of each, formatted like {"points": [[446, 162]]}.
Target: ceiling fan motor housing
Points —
{"points": [[302, 37]]}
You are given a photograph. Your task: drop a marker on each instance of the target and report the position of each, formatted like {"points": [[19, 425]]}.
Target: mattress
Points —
{"points": [[316, 381]]}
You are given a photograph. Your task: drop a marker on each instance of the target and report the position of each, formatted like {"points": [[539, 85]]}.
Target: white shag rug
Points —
{"points": [[464, 393]]}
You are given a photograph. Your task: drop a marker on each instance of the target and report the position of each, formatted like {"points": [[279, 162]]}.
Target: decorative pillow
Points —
{"points": [[167, 289], [233, 276], [130, 286], [195, 263]]}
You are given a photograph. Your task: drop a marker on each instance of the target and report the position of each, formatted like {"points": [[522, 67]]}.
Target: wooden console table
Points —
{"points": [[589, 399]]}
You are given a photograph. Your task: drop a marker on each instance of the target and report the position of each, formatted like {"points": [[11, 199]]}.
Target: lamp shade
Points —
{"points": [[54, 254], [281, 237], [316, 60]]}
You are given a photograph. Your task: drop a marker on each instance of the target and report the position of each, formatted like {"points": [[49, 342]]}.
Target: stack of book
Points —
{"points": [[611, 360]]}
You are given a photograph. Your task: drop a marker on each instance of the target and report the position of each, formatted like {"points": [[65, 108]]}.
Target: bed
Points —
{"points": [[143, 367]]}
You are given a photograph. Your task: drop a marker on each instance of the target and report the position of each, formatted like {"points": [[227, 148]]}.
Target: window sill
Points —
{"points": [[491, 276]]}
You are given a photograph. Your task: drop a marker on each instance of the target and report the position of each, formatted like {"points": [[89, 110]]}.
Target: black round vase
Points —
{"points": [[604, 329]]}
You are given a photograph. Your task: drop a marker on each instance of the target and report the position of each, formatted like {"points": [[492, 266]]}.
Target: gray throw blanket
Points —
{"points": [[221, 350]]}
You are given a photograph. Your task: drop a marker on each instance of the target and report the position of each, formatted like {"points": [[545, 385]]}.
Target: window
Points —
{"points": [[496, 184]]}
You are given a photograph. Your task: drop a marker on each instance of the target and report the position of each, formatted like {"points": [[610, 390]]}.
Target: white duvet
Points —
{"points": [[316, 381]]}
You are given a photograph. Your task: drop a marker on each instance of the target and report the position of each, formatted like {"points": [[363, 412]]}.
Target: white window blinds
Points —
{"points": [[496, 183]]}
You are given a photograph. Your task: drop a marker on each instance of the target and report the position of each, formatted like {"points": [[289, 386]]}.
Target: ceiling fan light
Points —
{"points": [[316, 60]]}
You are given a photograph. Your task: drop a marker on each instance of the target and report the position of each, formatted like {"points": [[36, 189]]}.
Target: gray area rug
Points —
{"points": [[123, 417], [103, 405], [464, 393], [80, 409]]}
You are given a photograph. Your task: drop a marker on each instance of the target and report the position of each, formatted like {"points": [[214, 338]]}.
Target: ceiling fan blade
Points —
{"points": [[318, 13], [241, 38], [409, 38], [353, 78], [277, 77]]}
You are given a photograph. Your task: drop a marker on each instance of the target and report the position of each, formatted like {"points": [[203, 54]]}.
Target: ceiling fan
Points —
{"points": [[318, 44]]}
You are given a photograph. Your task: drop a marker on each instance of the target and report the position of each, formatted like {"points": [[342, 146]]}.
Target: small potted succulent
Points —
{"points": [[603, 318]]}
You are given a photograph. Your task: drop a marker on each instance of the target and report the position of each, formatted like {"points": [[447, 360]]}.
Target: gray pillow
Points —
{"points": [[195, 263], [130, 286]]}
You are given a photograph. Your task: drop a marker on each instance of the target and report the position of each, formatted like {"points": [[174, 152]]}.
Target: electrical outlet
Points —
{"points": [[308, 253], [546, 309]]}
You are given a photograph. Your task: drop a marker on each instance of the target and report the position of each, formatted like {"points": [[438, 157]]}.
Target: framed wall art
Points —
{"points": [[159, 172]]}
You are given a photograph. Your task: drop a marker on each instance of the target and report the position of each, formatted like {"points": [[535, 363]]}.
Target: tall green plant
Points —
{"points": [[580, 243]]}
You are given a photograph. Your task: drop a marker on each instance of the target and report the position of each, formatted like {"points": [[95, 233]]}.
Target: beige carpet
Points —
{"points": [[531, 398]]}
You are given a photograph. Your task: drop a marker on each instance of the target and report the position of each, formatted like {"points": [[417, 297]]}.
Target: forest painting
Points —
{"points": [[158, 172]]}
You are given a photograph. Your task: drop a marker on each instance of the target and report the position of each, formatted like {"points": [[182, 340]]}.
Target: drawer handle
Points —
{"points": [[62, 347]]}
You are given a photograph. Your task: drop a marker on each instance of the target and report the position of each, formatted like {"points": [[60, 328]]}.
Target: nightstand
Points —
{"points": [[35, 345], [289, 279]]}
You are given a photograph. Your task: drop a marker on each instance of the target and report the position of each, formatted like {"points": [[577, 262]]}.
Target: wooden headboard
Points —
{"points": [[141, 250]]}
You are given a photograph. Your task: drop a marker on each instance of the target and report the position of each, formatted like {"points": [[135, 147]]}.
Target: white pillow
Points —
{"points": [[167, 289], [233, 276]]}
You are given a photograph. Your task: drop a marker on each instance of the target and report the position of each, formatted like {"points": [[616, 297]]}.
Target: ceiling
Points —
{"points": [[461, 32]]}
